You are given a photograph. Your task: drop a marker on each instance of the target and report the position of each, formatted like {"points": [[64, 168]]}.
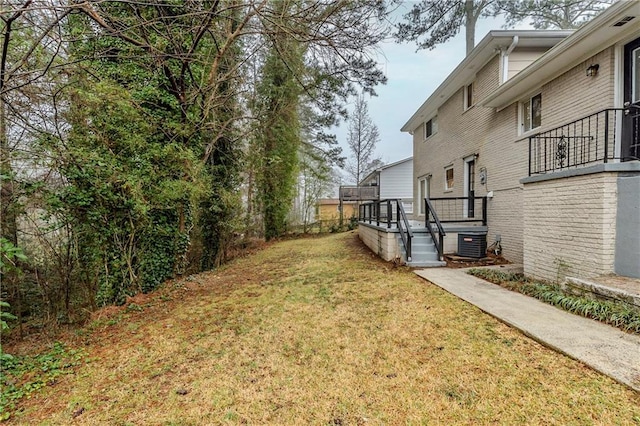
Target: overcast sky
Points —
{"points": [[412, 77]]}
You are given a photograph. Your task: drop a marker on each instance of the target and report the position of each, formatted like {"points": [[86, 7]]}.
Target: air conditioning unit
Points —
{"points": [[472, 245]]}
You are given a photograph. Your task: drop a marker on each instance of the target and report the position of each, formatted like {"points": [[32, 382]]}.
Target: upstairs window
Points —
{"points": [[531, 113], [468, 96], [430, 128]]}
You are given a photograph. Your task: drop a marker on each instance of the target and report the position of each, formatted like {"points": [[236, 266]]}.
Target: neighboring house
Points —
{"points": [[545, 124], [394, 181], [328, 211]]}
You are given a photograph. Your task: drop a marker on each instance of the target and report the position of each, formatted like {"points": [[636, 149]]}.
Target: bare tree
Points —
{"points": [[362, 138], [31, 42]]}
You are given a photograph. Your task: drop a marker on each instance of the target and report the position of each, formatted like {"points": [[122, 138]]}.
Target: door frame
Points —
{"points": [[421, 197], [626, 87], [469, 184]]}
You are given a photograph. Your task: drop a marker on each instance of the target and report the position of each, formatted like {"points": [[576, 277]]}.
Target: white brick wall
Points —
{"points": [[570, 226], [502, 150], [574, 95], [492, 136]]}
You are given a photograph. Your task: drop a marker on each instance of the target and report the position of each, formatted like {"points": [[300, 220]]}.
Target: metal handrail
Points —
{"points": [[406, 240], [439, 243]]}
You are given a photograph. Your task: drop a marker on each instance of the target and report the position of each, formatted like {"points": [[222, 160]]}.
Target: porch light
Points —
{"points": [[592, 71]]}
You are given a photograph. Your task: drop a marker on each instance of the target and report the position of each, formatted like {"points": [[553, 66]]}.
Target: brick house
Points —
{"points": [[543, 128]]}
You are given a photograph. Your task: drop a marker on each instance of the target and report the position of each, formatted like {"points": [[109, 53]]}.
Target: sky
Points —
{"points": [[412, 77]]}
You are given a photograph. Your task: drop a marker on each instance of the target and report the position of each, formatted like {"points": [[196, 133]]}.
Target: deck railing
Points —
{"points": [[359, 193], [589, 140], [389, 213], [460, 209]]}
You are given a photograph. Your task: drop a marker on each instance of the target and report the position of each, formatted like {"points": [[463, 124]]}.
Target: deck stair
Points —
{"points": [[423, 252]]}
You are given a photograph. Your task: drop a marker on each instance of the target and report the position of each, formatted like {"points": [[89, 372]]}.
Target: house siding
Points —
{"points": [[501, 147], [521, 58], [570, 227], [569, 223], [627, 226], [395, 182]]}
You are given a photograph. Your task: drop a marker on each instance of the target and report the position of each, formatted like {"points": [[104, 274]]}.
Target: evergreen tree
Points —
{"points": [[279, 133], [430, 23]]}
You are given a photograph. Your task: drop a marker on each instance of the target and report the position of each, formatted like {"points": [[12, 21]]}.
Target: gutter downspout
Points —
{"points": [[505, 58]]}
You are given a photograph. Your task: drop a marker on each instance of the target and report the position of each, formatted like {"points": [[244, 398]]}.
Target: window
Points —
{"points": [[468, 96], [531, 113], [448, 178], [430, 127]]}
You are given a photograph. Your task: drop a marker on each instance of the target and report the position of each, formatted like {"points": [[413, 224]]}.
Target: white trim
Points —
{"points": [[465, 93], [453, 184], [427, 183], [521, 104], [504, 67], [618, 75], [589, 39], [618, 92], [634, 64]]}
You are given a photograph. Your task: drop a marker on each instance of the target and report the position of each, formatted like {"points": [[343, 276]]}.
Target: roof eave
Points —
{"points": [[478, 57], [585, 42]]}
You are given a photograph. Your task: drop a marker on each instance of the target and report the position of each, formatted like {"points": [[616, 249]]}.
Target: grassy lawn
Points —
{"points": [[317, 331]]}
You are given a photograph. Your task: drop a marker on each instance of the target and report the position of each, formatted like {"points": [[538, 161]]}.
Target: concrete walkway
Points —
{"points": [[602, 347]]}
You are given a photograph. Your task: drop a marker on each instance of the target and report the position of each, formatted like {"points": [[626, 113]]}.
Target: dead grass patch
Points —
{"points": [[320, 331]]}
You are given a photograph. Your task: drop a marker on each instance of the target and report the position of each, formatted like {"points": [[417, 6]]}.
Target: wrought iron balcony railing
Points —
{"points": [[589, 140]]}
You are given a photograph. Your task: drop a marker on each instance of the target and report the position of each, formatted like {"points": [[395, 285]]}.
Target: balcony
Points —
{"points": [[359, 193], [605, 136]]}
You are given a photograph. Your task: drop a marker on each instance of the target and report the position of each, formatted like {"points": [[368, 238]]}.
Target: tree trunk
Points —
{"points": [[470, 25]]}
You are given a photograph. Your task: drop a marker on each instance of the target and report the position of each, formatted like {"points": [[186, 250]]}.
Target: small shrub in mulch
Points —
{"points": [[618, 314]]}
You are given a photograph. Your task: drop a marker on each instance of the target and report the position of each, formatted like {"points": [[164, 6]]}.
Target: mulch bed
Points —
{"points": [[455, 261]]}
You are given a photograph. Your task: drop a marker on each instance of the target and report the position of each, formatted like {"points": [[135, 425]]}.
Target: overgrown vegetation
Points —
{"points": [[21, 377], [135, 136], [618, 314]]}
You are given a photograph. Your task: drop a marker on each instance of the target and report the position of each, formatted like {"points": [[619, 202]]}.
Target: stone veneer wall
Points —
{"points": [[381, 242]]}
